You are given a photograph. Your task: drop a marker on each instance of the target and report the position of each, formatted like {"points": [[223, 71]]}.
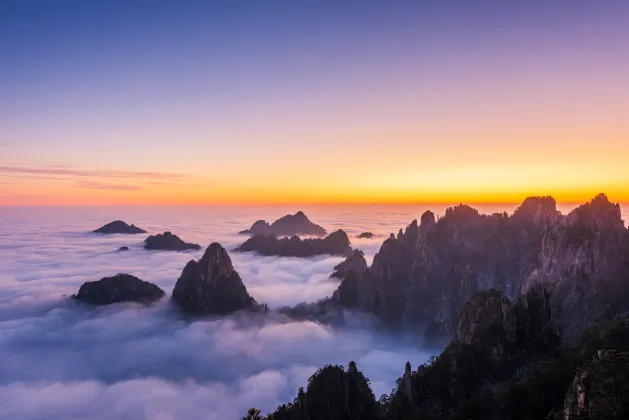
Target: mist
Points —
{"points": [[63, 359]]}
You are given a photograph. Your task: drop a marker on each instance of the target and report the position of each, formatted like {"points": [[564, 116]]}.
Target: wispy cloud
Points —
{"points": [[57, 171], [104, 186], [120, 180]]}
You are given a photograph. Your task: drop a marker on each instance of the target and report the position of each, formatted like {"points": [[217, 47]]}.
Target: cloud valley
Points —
{"points": [[62, 359]]}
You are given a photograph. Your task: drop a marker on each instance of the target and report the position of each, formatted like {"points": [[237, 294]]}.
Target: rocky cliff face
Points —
{"points": [[211, 285], [483, 311], [507, 363], [584, 261], [600, 389], [425, 274], [355, 262]]}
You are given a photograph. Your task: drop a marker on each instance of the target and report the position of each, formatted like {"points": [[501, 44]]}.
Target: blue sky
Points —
{"points": [[243, 93]]}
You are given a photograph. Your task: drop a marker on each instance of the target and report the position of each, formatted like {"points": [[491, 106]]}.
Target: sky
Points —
{"points": [[250, 102]]}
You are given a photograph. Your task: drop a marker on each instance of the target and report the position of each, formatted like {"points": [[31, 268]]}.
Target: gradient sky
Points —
{"points": [[139, 102]]}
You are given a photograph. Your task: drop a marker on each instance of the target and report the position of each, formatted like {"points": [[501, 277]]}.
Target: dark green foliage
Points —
{"points": [[333, 394], [491, 379]]}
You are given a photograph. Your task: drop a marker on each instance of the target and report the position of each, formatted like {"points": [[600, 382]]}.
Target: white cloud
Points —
{"points": [[61, 359]]}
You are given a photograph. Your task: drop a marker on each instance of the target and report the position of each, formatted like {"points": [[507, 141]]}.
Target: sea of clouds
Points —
{"points": [[62, 359]]}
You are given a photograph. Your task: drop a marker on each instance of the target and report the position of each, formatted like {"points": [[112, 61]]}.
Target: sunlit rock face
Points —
{"points": [[289, 225], [117, 289], [584, 261], [211, 285]]}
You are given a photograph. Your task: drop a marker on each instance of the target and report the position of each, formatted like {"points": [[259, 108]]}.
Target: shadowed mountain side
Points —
{"points": [[289, 225], [119, 226], [212, 286], [336, 243]]}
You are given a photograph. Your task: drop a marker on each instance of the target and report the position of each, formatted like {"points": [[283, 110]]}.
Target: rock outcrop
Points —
{"points": [[336, 243], [289, 225], [600, 389], [365, 235], [168, 242], [119, 226], [123, 248], [355, 262], [483, 311], [212, 286], [540, 211], [118, 288], [584, 262]]}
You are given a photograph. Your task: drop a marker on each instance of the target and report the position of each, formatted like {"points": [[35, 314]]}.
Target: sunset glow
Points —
{"points": [[292, 105]]}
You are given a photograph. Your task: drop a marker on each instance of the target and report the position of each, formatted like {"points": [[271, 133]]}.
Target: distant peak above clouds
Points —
{"points": [[296, 224]]}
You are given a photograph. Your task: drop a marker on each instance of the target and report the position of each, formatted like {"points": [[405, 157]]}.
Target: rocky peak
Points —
{"points": [[168, 242], [411, 234], [486, 310], [392, 258], [291, 224], [211, 285], [584, 261], [355, 262], [599, 214], [427, 221], [118, 226], [540, 211], [462, 214]]}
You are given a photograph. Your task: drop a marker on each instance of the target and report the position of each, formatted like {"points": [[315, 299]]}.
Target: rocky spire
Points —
{"points": [[211, 285]]}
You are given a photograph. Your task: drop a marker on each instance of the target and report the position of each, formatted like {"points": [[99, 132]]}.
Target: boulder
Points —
{"points": [[119, 226], [211, 285], [168, 242], [118, 288]]}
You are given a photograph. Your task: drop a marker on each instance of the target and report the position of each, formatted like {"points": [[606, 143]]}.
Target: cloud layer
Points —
{"points": [[65, 360]]}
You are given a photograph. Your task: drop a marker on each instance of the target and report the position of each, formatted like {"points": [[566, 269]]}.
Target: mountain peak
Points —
{"points": [[598, 213], [539, 210]]}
